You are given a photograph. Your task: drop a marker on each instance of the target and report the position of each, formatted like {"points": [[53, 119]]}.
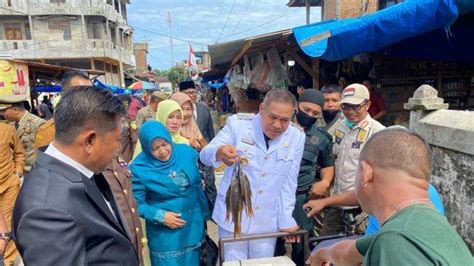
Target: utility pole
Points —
{"points": [[171, 39], [308, 8]]}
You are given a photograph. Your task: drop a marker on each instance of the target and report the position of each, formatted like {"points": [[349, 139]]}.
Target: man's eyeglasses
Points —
{"points": [[354, 107]]}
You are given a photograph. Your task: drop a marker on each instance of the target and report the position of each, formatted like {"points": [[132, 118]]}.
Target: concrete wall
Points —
{"points": [[450, 134], [453, 176], [141, 50]]}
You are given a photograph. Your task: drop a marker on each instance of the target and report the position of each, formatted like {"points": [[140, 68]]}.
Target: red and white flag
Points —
{"points": [[191, 58]]}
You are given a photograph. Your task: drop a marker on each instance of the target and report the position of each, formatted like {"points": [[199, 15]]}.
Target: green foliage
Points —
{"points": [[160, 73], [177, 74]]}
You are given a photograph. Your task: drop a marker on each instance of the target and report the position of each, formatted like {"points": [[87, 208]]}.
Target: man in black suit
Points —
{"points": [[65, 213], [203, 118]]}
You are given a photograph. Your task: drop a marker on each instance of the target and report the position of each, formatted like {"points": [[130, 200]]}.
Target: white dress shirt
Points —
{"points": [[53, 152]]}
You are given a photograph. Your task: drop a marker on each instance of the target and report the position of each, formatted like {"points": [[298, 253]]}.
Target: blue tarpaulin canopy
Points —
{"points": [[51, 89], [112, 88], [341, 39]]}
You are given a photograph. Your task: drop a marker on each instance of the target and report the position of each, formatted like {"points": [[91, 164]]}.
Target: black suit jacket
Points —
{"points": [[61, 218], [204, 121]]}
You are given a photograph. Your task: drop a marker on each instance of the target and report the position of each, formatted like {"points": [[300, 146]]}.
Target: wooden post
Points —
{"points": [[315, 64], [308, 11]]}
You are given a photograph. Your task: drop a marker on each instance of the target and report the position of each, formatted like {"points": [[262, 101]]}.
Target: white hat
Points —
{"points": [[355, 94]]}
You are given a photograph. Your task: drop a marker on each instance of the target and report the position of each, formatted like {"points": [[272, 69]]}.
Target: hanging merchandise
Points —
{"points": [[247, 73], [235, 81], [259, 73], [278, 76]]}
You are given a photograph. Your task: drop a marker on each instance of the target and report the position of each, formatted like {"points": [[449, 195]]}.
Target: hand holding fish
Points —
{"points": [[227, 154], [173, 220]]}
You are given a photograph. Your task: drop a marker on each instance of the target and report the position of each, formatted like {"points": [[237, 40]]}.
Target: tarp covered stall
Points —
{"points": [[341, 39]]}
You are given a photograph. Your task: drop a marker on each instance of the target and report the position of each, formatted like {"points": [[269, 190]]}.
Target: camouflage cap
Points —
{"points": [[161, 95], [7, 101]]}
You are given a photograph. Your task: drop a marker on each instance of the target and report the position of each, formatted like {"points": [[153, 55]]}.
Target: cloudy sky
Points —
{"points": [[203, 22]]}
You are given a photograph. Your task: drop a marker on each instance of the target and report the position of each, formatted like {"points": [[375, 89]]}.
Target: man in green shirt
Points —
{"points": [[391, 184], [317, 153]]}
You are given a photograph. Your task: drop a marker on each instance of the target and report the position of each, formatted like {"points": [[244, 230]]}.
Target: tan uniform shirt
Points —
{"points": [[27, 133], [145, 114], [347, 147], [12, 156], [45, 134]]}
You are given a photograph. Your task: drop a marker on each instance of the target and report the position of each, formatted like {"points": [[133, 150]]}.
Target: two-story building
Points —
{"points": [[86, 34]]}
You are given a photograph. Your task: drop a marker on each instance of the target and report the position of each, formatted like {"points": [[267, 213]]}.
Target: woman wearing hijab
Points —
{"points": [[167, 185], [169, 113], [189, 128]]}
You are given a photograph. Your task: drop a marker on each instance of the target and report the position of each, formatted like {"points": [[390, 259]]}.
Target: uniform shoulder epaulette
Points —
{"points": [[245, 116], [121, 161]]}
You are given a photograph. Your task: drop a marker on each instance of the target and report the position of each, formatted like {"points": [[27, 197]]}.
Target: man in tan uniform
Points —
{"points": [[11, 169], [349, 139], [26, 125], [149, 112]]}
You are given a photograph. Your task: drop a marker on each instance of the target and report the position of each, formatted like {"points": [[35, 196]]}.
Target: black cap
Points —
{"points": [[184, 85], [312, 96]]}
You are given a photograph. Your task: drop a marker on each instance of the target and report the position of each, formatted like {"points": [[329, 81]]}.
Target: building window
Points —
{"points": [[114, 69], [94, 30], [61, 24], [27, 31], [9, 3], [13, 31]]}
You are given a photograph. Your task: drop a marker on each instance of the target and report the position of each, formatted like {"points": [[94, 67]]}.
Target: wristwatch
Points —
{"points": [[20, 175], [6, 236]]}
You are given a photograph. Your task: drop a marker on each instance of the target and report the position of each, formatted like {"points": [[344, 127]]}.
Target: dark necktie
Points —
{"points": [[104, 188], [267, 140], [17, 125]]}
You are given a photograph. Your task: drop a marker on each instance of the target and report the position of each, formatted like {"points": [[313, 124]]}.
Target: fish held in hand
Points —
{"points": [[239, 197]]}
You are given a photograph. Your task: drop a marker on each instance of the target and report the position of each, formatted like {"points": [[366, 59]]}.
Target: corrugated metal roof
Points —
{"points": [[300, 3], [223, 53]]}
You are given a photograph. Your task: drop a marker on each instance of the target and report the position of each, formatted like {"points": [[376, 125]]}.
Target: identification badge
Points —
{"points": [[248, 141], [339, 135], [362, 135], [314, 140], [133, 125]]}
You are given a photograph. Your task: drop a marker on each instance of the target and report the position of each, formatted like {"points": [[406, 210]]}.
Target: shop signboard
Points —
{"points": [[14, 78]]}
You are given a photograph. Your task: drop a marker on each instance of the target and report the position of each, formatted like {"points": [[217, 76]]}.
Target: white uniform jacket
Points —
{"points": [[272, 173]]}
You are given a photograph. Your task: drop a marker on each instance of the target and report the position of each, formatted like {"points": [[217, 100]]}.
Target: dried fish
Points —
{"points": [[238, 197]]}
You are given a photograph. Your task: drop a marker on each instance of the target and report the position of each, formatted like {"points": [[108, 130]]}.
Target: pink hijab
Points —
{"points": [[191, 129]]}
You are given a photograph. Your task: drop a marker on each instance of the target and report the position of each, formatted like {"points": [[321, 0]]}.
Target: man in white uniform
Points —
{"points": [[274, 149]]}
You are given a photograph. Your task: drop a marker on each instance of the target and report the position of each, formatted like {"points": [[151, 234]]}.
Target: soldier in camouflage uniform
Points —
{"points": [[26, 125], [149, 112], [129, 137]]}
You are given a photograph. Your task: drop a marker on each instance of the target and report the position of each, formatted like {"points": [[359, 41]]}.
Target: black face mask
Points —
{"points": [[329, 115], [305, 120]]}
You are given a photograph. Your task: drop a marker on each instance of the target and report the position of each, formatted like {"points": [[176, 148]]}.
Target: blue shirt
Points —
{"points": [[373, 225]]}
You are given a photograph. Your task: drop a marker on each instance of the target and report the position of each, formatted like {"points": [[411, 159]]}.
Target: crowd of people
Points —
{"points": [[102, 161]]}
